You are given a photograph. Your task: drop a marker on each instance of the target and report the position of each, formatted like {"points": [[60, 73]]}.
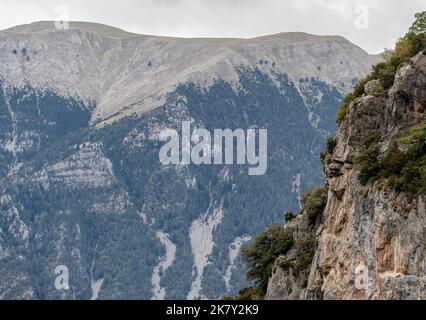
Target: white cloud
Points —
{"points": [[389, 19]]}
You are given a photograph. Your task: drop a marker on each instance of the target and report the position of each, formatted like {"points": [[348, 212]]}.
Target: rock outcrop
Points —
{"points": [[371, 242]]}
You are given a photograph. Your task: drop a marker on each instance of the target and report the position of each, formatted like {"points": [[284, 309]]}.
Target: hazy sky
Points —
{"points": [[371, 24]]}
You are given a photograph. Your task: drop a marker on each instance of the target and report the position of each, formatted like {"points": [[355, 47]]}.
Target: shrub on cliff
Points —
{"points": [[330, 146], [314, 202], [260, 256], [288, 216], [250, 293], [406, 47], [404, 171], [419, 26], [366, 159]]}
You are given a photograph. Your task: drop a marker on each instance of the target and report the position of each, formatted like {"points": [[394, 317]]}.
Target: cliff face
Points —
{"points": [[371, 241]]}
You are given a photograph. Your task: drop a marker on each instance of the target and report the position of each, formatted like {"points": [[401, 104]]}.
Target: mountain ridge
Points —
{"points": [[148, 68], [104, 29]]}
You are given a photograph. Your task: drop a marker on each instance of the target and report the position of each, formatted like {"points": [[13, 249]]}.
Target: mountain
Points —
{"points": [[369, 242], [81, 112], [125, 73]]}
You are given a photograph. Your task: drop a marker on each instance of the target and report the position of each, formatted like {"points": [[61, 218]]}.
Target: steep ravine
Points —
{"points": [[371, 241]]}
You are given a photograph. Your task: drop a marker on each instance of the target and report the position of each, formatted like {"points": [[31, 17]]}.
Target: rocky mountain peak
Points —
{"points": [[50, 26], [124, 73]]}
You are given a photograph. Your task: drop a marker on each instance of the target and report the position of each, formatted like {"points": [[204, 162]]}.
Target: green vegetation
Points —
{"points": [[343, 109], [307, 247], [406, 47], [404, 171], [304, 283], [366, 159], [419, 26], [251, 293], [261, 255], [289, 216], [285, 264], [314, 202], [330, 146], [301, 266]]}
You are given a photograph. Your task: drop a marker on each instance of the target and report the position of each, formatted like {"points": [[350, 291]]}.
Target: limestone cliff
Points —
{"points": [[371, 241]]}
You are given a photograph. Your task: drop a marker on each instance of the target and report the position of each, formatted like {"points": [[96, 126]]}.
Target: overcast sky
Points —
{"points": [[371, 24]]}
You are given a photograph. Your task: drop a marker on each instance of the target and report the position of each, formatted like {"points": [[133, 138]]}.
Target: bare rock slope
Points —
{"points": [[125, 73]]}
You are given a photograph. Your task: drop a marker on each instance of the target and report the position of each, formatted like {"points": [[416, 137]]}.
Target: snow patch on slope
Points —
{"points": [[234, 250], [11, 145], [201, 236], [96, 288], [296, 187], [163, 265]]}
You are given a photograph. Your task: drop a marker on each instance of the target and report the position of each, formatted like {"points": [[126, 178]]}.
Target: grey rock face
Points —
{"points": [[368, 233], [373, 87]]}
